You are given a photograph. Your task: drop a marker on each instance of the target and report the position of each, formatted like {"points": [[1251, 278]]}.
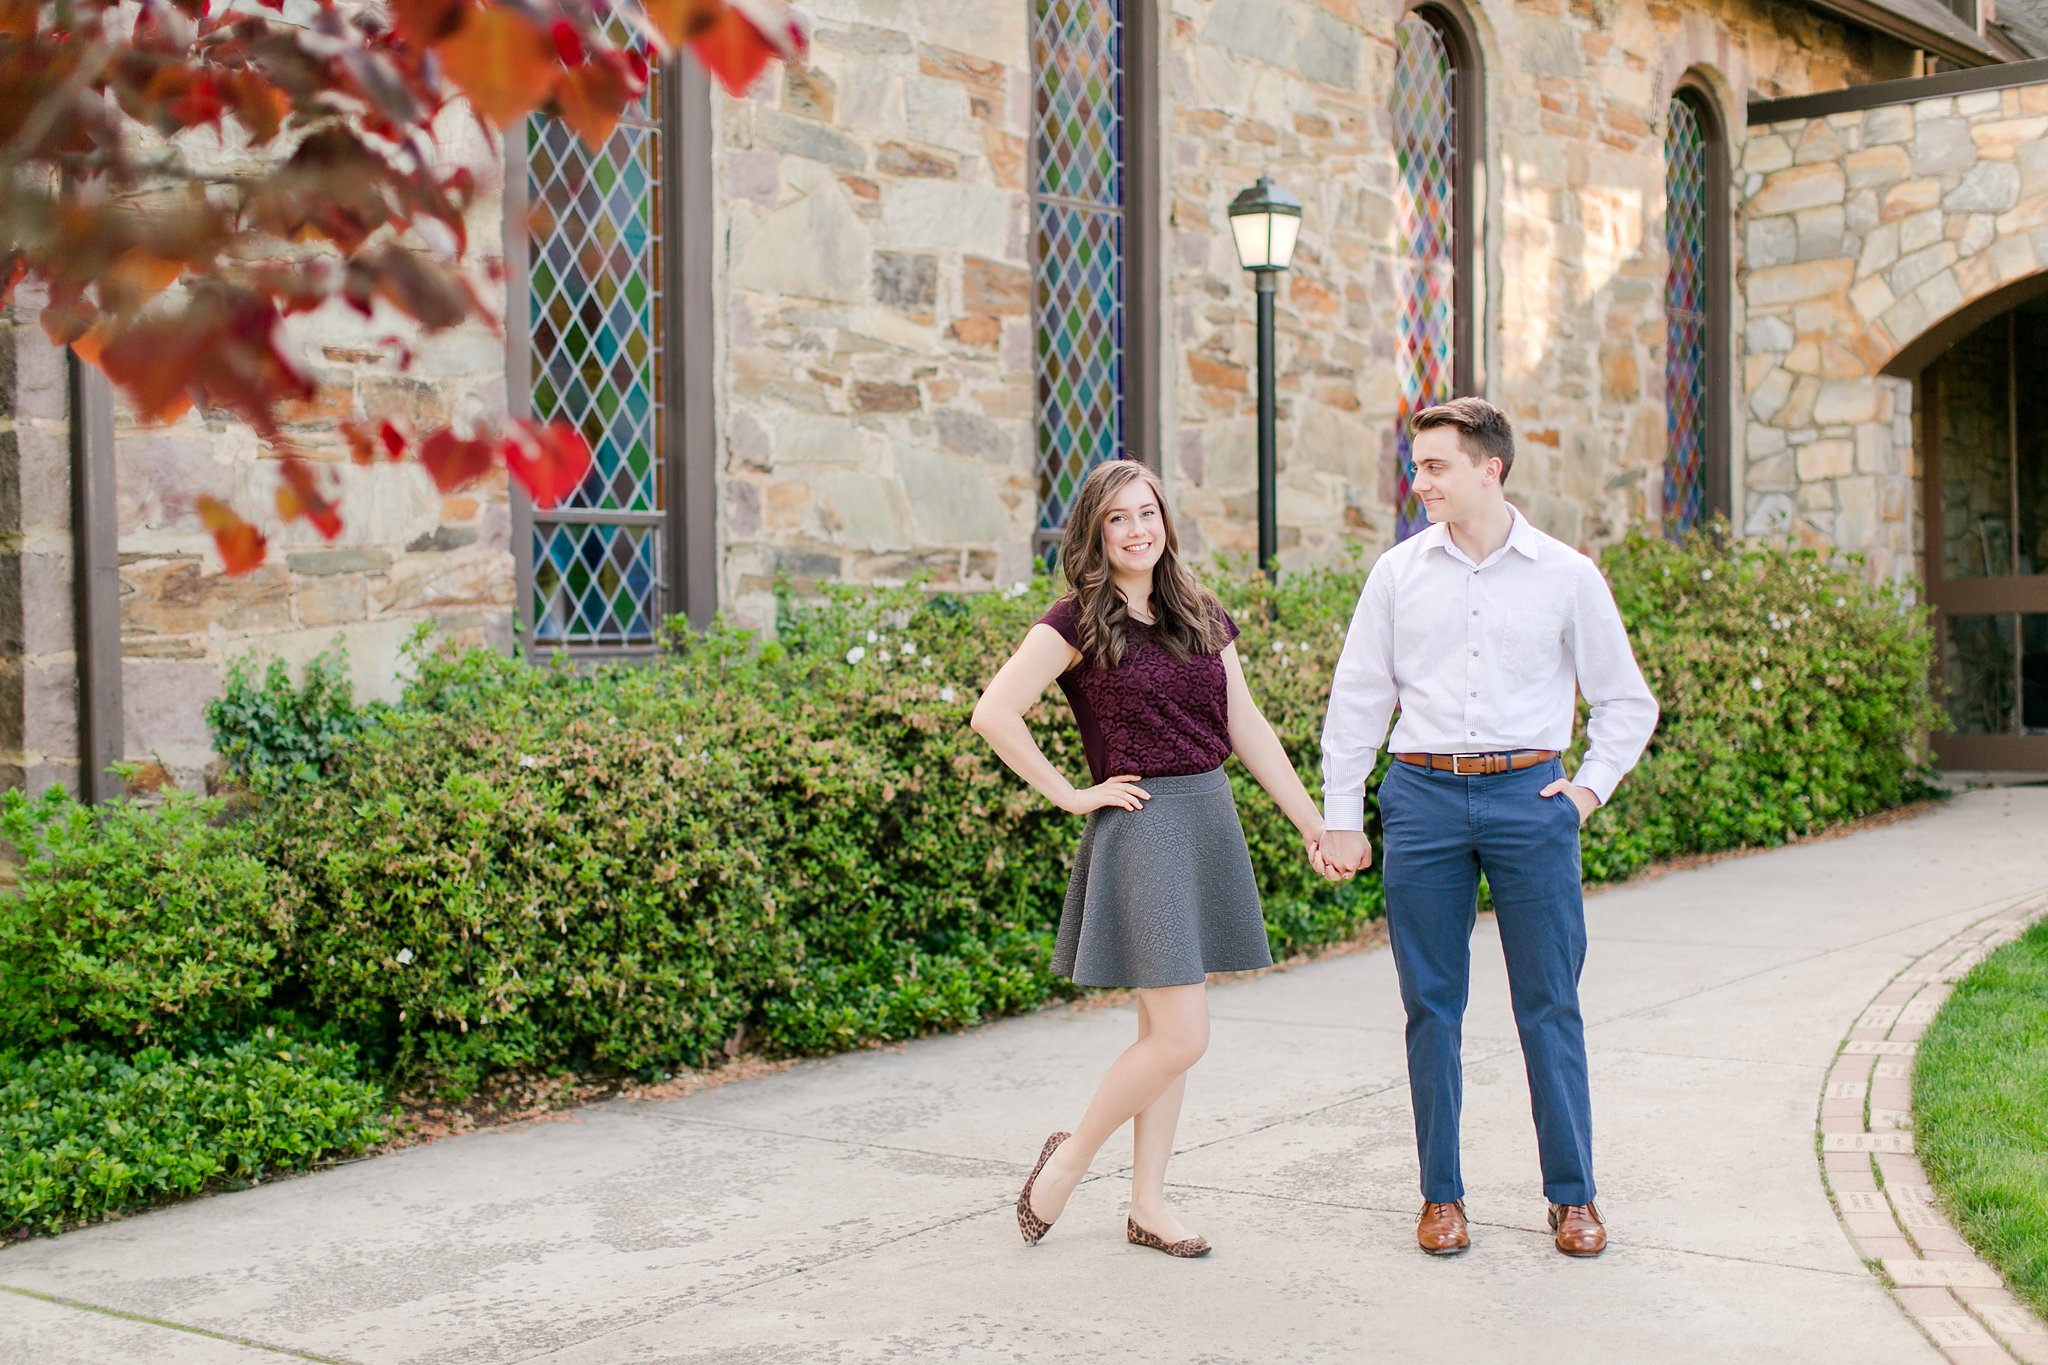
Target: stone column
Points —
{"points": [[38, 660]]}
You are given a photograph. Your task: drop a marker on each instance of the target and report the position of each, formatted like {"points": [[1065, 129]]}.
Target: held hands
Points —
{"points": [[1344, 853], [1585, 800], [1120, 792]]}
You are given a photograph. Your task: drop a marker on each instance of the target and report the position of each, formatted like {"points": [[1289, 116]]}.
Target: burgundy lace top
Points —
{"points": [[1152, 714]]}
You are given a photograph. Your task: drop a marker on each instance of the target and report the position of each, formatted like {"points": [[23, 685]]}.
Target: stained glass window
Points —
{"points": [[1425, 194], [1685, 318], [594, 311], [1078, 219]]}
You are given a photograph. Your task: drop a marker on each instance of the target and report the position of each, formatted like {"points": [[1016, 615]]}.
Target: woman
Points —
{"points": [[1162, 891]]}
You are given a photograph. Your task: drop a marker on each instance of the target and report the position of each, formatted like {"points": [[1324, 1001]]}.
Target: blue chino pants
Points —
{"points": [[1441, 832]]}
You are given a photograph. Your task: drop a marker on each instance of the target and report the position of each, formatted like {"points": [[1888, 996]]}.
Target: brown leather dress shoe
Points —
{"points": [[1441, 1229], [1579, 1229]]}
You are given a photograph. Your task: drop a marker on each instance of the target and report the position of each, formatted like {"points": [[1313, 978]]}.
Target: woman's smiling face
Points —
{"points": [[1133, 531]]}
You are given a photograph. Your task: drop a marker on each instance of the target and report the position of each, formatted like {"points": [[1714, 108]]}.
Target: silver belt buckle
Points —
{"points": [[1457, 771]]}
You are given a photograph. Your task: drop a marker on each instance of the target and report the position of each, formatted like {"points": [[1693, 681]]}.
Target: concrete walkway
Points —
{"points": [[859, 1208]]}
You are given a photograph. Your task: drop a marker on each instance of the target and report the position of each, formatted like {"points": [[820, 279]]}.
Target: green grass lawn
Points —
{"points": [[1980, 1111]]}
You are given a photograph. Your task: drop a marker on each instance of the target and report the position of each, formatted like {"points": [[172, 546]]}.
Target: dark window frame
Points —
{"points": [[689, 585]]}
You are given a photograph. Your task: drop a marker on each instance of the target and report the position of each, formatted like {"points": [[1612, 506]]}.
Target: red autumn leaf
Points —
{"points": [[568, 42], [299, 495], [260, 105], [394, 437], [548, 461], [426, 22], [502, 62], [680, 21], [589, 99], [733, 50], [241, 545], [362, 442], [452, 461], [153, 363]]}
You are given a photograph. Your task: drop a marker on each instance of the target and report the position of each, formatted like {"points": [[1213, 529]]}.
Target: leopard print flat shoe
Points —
{"points": [[1189, 1247], [1030, 1224]]}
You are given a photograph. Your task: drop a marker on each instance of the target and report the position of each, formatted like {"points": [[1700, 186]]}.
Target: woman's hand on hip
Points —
{"points": [[1121, 793]]}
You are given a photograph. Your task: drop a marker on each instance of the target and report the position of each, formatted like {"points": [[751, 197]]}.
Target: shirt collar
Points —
{"points": [[1522, 537]]}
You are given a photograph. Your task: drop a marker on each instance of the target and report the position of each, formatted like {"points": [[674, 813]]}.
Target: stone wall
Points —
{"points": [[406, 555], [1863, 231], [876, 392], [1571, 229]]}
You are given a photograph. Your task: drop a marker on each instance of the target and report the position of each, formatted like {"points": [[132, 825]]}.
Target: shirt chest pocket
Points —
{"points": [[1531, 644]]}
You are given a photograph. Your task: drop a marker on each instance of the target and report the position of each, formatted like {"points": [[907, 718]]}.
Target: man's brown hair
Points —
{"points": [[1484, 427]]}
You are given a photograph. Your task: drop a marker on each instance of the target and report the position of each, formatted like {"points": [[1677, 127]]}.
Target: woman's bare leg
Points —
{"points": [[1173, 1034], [1151, 1148]]}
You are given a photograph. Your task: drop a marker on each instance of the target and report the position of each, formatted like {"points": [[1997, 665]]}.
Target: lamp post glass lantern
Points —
{"points": [[1265, 222]]}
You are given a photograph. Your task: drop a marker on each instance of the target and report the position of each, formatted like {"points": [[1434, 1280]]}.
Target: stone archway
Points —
{"points": [[1896, 251]]}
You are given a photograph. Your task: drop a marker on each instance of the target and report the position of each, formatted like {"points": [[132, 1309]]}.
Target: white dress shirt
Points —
{"points": [[1482, 658]]}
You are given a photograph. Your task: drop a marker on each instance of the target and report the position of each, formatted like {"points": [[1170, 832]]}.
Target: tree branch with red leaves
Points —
{"points": [[176, 279]]}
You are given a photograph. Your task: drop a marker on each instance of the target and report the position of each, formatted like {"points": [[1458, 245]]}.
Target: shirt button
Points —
{"points": [[1471, 734], [1475, 613], [1475, 653]]}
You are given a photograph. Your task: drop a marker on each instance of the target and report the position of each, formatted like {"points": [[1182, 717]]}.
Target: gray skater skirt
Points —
{"points": [[1163, 895]]}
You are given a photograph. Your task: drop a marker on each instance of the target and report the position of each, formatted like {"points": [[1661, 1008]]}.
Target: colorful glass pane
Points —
{"points": [[1685, 319], [1425, 206], [595, 584], [1078, 224], [594, 296]]}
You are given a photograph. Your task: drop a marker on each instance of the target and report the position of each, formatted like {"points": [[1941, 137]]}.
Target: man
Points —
{"points": [[1476, 631]]}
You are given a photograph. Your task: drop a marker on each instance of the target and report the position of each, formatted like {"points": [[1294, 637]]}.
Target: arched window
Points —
{"points": [[610, 287], [1093, 307], [1695, 311], [1436, 115]]}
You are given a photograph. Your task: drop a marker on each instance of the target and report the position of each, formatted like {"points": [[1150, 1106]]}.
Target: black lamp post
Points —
{"points": [[1265, 220]]}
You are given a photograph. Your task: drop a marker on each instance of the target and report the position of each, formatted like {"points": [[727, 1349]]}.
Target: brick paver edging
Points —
{"points": [[1866, 1134]]}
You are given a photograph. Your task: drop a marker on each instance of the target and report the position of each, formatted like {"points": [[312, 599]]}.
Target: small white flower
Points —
{"points": [[1302, 647], [1756, 684], [1841, 601], [405, 957], [856, 654], [1279, 646], [528, 761], [909, 647], [1017, 590], [928, 660], [872, 637], [948, 695], [1706, 574]]}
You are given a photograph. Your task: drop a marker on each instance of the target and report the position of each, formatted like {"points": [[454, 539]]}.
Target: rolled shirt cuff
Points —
{"points": [[1597, 778], [1343, 811]]}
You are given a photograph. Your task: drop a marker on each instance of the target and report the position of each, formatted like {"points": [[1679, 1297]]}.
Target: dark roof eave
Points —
{"points": [[1950, 40]]}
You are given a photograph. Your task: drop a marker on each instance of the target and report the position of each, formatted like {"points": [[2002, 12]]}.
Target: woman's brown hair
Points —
{"points": [[1185, 614]]}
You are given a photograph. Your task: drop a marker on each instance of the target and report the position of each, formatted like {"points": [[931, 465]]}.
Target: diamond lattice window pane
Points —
{"points": [[595, 584], [594, 309], [1078, 220], [1425, 199], [1077, 47], [1685, 318], [1080, 351], [595, 304]]}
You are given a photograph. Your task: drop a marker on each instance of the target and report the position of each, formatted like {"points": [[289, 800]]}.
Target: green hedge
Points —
{"points": [[800, 846], [85, 1132], [135, 926], [1794, 694]]}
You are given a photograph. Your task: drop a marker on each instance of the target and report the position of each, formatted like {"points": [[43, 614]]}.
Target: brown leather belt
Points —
{"points": [[1480, 765]]}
